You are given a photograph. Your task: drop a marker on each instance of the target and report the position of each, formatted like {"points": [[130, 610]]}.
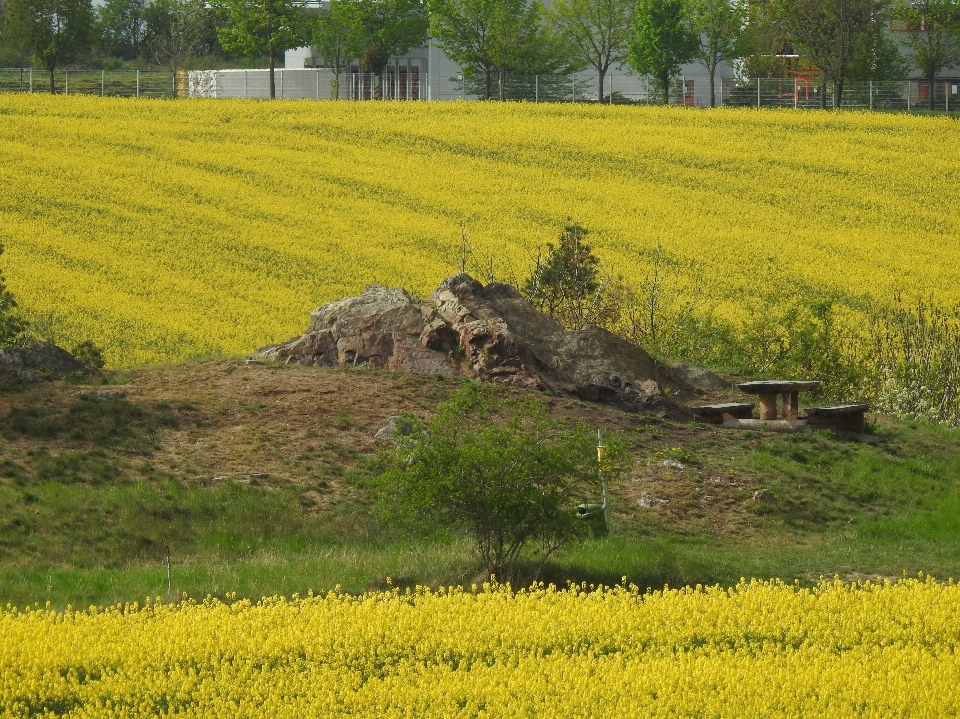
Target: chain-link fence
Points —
{"points": [[411, 83], [116, 83], [805, 93]]}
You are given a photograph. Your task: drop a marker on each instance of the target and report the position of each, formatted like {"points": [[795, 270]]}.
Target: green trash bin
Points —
{"points": [[595, 516]]}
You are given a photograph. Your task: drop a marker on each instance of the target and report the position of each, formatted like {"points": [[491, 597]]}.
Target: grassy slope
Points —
{"points": [[93, 492], [164, 230]]}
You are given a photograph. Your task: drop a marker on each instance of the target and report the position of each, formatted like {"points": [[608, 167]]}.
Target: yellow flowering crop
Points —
{"points": [[759, 649], [168, 229]]}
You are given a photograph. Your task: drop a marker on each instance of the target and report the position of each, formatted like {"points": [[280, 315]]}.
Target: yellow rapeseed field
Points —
{"points": [[163, 230], [757, 650]]}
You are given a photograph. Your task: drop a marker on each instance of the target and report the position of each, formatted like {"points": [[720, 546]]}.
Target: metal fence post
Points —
{"points": [[908, 96], [870, 89], [244, 84], [946, 96], [66, 82], [536, 88], [281, 84], [318, 84], [138, 83], [758, 93], [796, 92], [573, 83], [31, 80]]}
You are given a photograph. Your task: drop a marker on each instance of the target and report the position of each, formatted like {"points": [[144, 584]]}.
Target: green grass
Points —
{"points": [[87, 517]]}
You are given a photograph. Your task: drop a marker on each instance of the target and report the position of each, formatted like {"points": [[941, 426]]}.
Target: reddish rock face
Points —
{"points": [[467, 329]]}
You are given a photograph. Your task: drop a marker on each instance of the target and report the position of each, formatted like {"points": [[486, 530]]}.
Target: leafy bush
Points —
{"points": [[13, 326], [498, 468]]}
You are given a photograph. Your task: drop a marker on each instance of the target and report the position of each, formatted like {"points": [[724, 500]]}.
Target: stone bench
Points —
{"points": [[847, 417], [714, 413]]}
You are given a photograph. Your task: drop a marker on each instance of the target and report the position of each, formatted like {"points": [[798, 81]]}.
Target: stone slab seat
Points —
{"points": [[715, 413], [840, 417]]}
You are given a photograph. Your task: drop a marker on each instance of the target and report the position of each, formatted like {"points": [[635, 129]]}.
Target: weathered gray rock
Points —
{"points": [[486, 332], [647, 500], [763, 496], [103, 393], [382, 328], [698, 379], [390, 429], [44, 357]]}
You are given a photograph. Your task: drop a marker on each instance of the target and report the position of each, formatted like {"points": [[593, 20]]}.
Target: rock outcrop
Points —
{"points": [[487, 332], [42, 359]]}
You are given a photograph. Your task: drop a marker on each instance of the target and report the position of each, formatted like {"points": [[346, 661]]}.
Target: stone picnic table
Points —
{"points": [[767, 390]]}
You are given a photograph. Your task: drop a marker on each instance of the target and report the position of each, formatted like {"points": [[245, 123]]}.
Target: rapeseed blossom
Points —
{"points": [[758, 649], [163, 230]]}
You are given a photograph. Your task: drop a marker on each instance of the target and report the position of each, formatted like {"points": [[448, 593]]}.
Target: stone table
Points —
{"points": [[767, 390]]}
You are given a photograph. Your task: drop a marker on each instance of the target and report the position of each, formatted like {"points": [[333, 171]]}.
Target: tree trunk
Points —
{"points": [[501, 80], [273, 86], [489, 81], [930, 97], [665, 86], [602, 76], [823, 94], [713, 92], [53, 88], [837, 94]]}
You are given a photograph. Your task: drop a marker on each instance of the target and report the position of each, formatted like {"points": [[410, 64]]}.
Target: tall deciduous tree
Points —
{"points": [[262, 27], [723, 27], [596, 30], [336, 40], [57, 31], [175, 31], [831, 33], [385, 29], [465, 31], [497, 36], [663, 40], [16, 32], [932, 30], [122, 26]]}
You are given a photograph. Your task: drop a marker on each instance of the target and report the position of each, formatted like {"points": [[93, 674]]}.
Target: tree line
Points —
{"points": [[843, 40]]}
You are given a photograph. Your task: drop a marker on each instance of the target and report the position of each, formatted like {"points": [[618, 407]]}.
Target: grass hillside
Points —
{"points": [[252, 477], [165, 230]]}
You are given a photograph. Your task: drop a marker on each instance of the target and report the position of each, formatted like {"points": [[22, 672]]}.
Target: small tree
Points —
{"points": [[566, 284], [724, 32], [499, 469], [262, 27], [932, 35], [663, 40]]}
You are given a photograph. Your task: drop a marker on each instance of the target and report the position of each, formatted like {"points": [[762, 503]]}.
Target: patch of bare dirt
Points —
{"points": [[274, 424]]}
